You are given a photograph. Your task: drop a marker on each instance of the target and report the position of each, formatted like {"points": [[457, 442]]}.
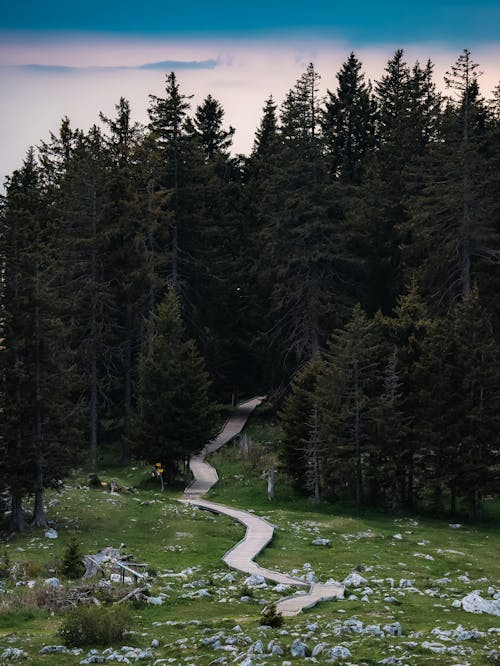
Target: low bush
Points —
{"points": [[271, 617], [95, 625]]}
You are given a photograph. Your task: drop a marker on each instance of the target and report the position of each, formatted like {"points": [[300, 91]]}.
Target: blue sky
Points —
{"points": [[78, 58], [458, 22]]}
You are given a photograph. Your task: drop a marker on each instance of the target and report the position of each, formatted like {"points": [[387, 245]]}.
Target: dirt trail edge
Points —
{"points": [[258, 531]]}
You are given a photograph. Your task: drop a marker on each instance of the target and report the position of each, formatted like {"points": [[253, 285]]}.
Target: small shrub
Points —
{"points": [[246, 591], [72, 566], [95, 625], [271, 617]]}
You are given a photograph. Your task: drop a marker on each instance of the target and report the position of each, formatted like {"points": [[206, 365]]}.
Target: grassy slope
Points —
{"points": [[170, 537]]}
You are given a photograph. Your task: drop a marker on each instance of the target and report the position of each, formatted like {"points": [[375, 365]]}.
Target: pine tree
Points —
{"points": [[36, 360], [174, 417], [295, 419], [346, 390], [349, 122]]}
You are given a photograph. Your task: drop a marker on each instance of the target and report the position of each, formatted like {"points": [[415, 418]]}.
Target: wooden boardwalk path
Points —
{"points": [[259, 532]]}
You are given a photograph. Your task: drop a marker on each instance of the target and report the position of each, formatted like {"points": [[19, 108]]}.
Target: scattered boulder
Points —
{"points": [[354, 580], [354, 626], [53, 582], [339, 652], [51, 533], [318, 649], [13, 654], [393, 629], [406, 582], [255, 580], [474, 603], [322, 542], [54, 649], [299, 649]]}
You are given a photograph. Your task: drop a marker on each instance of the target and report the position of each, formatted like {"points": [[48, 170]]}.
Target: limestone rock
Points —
{"points": [[474, 603], [299, 649], [354, 580], [339, 652]]}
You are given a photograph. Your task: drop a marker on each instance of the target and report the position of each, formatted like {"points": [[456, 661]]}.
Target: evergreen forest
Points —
{"points": [[348, 268]]}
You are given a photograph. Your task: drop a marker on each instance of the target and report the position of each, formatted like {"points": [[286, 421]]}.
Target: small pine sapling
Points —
{"points": [[72, 566]]}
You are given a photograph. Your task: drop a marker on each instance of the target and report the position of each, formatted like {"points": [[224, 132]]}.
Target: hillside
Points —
{"points": [[415, 570]]}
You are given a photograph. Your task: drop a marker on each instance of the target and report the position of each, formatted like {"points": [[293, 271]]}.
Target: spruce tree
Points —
{"points": [[174, 418]]}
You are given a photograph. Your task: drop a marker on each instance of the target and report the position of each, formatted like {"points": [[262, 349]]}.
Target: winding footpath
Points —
{"points": [[259, 532]]}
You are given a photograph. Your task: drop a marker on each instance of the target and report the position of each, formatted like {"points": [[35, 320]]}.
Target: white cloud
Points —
{"points": [[247, 72]]}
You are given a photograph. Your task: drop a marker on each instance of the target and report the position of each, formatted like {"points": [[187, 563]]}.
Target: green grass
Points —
{"points": [[170, 537]]}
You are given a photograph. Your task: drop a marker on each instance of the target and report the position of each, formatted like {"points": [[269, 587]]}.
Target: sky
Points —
{"points": [[59, 59]]}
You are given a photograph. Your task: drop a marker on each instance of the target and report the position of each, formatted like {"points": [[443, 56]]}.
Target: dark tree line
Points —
{"points": [[384, 195]]}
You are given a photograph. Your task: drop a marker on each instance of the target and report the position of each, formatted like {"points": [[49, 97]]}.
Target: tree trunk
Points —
{"points": [[127, 404], [270, 483], [17, 523], [38, 511], [93, 417]]}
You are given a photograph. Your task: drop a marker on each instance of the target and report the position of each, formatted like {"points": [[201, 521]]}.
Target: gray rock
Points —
{"points": [[398, 537], [474, 603], [247, 662], [373, 630], [322, 542], [145, 654], [255, 580], [94, 659], [354, 626], [13, 654], [51, 533], [116, 656], [277, 650], [406, 582], [52, 582], [391, 600], [281, 587], [257, 648], [393, 629], [155, 643], [318, 649], [354, 580], [155, 601], [339, 652], [391, 660], [299, 649], [437, 648], [53, 649]]}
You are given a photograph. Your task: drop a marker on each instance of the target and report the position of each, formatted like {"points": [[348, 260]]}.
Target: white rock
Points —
{"points": [[255, 580], [339, 652], [53, 649], [299, 649], [406, 582], [51, 533], [318, 649], [281, 587], [455, 526], [355, 626], [155, 643], [437, 648], [474, 603], [354, 580], [155, 601], [321, 542], [393, 629], [53, 582], [373, 630], [398, 536], [13, 654]]}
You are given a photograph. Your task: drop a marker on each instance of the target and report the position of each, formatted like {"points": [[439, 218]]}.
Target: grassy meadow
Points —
{"points": [[182, 547]]}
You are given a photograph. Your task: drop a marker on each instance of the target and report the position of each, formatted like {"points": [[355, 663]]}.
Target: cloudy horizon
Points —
{"points": [[69, 67]]}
